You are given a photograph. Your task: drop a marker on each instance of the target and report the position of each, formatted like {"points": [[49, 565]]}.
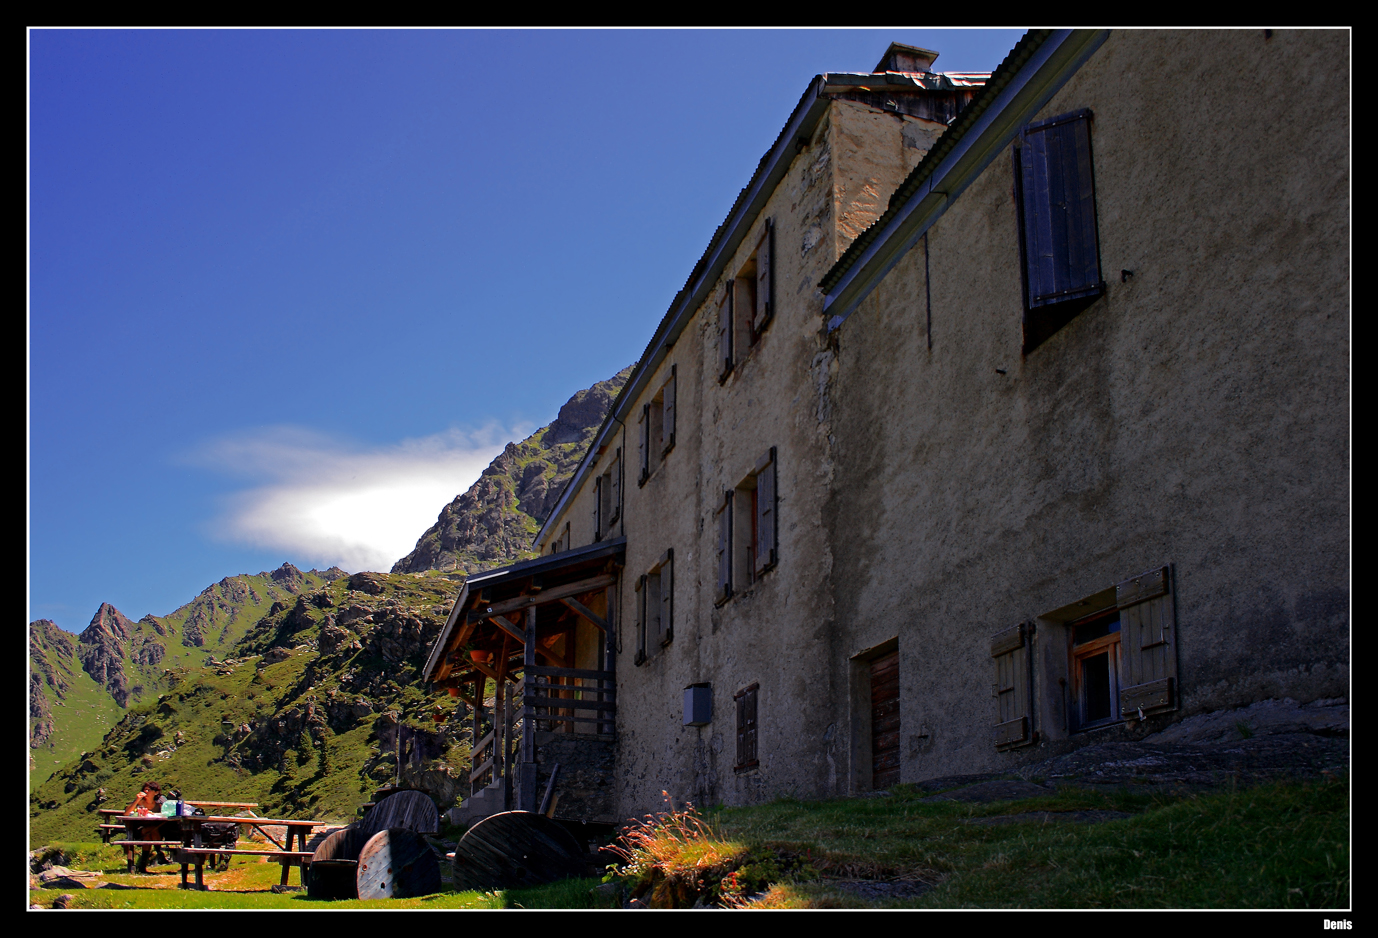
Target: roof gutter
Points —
{"points": [[1055, 60], [747, 209]]}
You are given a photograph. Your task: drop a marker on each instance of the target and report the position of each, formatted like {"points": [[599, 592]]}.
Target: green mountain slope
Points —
{"points": [[303, 718], [288, 688], [68, 711], [494, 522]]}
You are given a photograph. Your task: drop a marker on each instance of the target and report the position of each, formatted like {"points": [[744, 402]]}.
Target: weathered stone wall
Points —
{"points": [[587, 780], [1194, 416], [772, 632]]}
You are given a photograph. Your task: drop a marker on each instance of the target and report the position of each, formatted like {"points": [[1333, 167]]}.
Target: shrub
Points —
{"points": [[677, 860]]}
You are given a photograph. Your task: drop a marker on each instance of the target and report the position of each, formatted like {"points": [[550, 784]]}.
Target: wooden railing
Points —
{"points": [[571, 700], [575, 700]]}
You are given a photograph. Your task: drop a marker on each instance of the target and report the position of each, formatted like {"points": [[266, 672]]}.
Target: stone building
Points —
{"points": [[1003, 414]]}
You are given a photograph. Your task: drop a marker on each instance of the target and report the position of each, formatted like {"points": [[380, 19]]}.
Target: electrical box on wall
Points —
{"points": [[698, 704]]}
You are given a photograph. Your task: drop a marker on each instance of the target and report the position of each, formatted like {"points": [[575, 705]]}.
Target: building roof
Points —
{"points": [[1039, 64], [796, 134]]}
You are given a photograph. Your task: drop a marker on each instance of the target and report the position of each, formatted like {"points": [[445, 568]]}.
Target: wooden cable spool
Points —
{"points": [[514, 849], [410, 810], [334, 864], [397, 864]]}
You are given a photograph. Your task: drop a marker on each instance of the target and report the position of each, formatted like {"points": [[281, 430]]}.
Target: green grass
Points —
{"points": [[1279, 845]]}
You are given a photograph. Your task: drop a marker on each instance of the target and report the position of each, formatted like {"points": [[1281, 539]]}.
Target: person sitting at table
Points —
{"points": [[148, 799]]}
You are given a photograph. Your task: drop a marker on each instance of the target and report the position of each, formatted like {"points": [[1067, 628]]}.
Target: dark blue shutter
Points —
{"points": [[1057, 188], [724, 591]]}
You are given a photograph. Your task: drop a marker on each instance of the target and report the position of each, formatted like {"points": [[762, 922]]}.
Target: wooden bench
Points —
{"points": [[188, 856]]}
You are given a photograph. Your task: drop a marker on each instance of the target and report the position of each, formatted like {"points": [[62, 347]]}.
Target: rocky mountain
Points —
{"points": [[305, 717], [297, 690], [80, 684], [68, 710], [494, 522]]}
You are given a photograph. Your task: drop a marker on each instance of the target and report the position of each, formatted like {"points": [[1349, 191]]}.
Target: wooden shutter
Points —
{"points": [[598, 508], [725, 333], [766, 524], [1013, 690], [667, 597], [652, 612], [752, 725], [640, 619], [1058, 203], [765, 278], [667, 417], [746, 727], [616, 479], [644, 448], [724, 591], [1148, 653]]}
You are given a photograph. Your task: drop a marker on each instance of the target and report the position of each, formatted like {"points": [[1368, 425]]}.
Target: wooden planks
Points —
{"points": [[397, 864], [411, 810], [514, 849], [885, 721], [545, 596]]}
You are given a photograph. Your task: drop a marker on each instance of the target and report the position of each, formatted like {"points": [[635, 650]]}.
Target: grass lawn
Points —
{"points": [[1278, 845]]}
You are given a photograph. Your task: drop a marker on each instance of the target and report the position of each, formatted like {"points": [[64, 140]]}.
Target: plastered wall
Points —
{"points": [[1195, 416]]}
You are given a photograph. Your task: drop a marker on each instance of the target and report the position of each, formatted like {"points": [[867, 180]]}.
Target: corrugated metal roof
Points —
{"points": [[1021, 53]]}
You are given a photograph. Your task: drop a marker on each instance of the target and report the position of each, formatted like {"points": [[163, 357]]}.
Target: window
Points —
{"points": [[655, 607], [1120, 662], [748, 529], [607, 498], [1057, 223], [562, 542], [747, 304], [1095, 670], [657, 428], [746, 727]]}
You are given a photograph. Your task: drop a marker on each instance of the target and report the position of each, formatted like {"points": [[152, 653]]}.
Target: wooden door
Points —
{"points": [[885, 721]]}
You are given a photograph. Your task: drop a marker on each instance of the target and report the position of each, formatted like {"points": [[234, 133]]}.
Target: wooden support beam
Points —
{"points": [[484, 669], [587, 613], [553, 594], [507, 627]]}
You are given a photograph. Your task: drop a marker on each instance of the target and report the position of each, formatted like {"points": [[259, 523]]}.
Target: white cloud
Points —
{"points": [[323, 501]]}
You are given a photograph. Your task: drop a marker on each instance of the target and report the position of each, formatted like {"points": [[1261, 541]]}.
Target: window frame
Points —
{"points": [[654, 583], [740, 523], [747, 305], [1077, 655], [657, 427]]}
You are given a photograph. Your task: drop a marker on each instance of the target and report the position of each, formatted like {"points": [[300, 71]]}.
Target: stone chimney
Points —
{"points": [[902, 58]]}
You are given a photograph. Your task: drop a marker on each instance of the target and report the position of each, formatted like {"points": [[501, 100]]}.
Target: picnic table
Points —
{"points": [[190, 851], [106, 830]]}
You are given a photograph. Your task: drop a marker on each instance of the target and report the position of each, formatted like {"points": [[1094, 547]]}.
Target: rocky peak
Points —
{"points": [[494, 522], [288, 577], [100, 648]]}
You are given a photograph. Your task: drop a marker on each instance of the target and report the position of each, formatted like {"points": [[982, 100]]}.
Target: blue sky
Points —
{"points": [[289, 291]]}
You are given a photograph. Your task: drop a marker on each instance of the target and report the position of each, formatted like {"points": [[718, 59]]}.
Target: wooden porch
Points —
{"points": [[544, 633]]}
